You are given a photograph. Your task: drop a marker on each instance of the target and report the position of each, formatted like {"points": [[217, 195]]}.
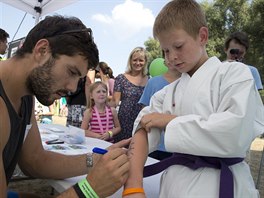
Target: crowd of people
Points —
{"points": [[201, 115]]}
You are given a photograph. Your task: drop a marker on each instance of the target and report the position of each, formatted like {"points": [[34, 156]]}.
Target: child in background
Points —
{"points": [[210, 116], [99, 120]]}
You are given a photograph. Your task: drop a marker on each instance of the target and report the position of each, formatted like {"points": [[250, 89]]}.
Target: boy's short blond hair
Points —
{"points": [[185, 14]]}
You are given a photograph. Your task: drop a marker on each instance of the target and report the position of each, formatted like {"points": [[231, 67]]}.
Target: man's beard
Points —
{"points": [[40, 82]]}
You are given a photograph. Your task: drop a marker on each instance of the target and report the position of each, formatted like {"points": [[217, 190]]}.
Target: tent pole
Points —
{"points": [[38, 10]]}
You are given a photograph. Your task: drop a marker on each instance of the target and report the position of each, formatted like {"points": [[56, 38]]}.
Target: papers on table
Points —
{"points": [[56, 130], [49, 132], [68, 149]]}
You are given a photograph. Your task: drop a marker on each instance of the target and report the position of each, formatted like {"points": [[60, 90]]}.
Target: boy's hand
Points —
{"points": [[157, 120]]}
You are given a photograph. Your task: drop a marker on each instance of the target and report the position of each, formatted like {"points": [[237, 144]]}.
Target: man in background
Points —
{"points": [[3, 42], [236, 46]]}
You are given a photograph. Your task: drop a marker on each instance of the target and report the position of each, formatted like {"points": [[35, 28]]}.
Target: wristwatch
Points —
{"points": [[89, 160]]}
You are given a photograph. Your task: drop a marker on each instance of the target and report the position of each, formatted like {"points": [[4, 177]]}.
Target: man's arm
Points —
{"points": [[4, 135], [37, 162], [88, 82], [109, 173], [91, 75], [2, 178], [257, 78]]}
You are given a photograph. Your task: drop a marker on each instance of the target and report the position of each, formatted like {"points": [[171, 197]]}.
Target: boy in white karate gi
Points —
{"points": [[210, 116]]}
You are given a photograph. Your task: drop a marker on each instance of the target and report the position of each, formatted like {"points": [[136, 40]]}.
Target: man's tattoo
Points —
{"points": [[130, 149]]}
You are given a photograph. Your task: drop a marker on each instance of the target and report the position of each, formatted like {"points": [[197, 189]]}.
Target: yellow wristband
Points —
{"points": [[129, 191], [110, 133]]}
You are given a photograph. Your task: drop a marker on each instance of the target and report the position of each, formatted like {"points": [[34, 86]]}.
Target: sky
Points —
{"points": [[118, 25]]}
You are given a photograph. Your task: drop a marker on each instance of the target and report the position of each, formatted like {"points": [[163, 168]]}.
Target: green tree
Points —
{"points": [[153, 48], [223, 18], [255, 29]]}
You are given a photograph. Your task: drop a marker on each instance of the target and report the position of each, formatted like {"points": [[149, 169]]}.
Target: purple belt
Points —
{"points": [[226, 189]]}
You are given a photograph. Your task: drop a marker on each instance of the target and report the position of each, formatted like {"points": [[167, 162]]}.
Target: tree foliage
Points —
{"points": [[225, 17], [153, 48]]}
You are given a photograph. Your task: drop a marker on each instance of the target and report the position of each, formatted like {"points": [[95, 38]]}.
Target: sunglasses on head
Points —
{"points": [[88, 30]]}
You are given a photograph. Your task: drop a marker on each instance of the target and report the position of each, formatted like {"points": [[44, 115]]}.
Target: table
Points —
{"points": [[52, 131]]}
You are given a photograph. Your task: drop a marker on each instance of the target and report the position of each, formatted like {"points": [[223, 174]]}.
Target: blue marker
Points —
{"points": [[99, 150]]}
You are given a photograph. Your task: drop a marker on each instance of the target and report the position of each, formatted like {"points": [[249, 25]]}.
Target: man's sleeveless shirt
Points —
{"points": [[18, 125]]}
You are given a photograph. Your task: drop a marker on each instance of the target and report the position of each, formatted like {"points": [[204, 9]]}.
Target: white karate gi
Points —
{"points": [[219, 114]]}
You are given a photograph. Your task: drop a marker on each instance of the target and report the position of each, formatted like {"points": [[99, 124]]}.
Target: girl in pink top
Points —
{"points": [[99, 120]]}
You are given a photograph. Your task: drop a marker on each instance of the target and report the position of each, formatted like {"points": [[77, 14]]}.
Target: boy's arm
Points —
{"points": [[156, 120], [137, 153], [156, 105]]}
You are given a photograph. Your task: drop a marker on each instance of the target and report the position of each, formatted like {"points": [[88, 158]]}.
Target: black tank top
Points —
{"points": [[78, 98], [18, 125]]}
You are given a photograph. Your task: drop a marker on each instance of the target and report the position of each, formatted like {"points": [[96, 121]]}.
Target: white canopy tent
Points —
{"points": [[38, 8]]}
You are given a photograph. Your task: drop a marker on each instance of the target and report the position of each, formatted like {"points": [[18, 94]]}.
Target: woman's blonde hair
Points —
{"points": [[92, 87], [184, 14], [138, 50]]}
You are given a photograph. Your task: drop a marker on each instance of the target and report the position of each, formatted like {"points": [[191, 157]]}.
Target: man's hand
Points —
{"points": [[157, 120], [120, 144], [110, 170]]}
